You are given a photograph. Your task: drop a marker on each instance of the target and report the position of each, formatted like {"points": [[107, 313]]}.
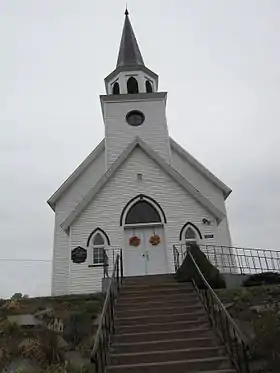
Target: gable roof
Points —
{"points": [[89, 159], [203, 170], [65, 225]]}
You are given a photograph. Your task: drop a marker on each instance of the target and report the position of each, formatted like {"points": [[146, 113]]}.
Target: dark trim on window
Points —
{"points": [[149, 86], [193, 226], [102, 232], [140, 197], [116, 89], [142, 212], [95, 265], [132, 85]]}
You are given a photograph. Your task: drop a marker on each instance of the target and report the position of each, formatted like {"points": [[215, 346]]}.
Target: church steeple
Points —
{"points": [[130, 75], [129, 52]]}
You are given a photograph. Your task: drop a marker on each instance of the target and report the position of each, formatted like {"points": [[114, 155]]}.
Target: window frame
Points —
{"points": [[116, 84], [98, 247], [138, 223], [189, 241], [149, 83], [133, 79], [100, 261]]}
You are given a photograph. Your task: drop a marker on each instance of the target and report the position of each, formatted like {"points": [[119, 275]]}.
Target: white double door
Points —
{"points": [[145, 259]]}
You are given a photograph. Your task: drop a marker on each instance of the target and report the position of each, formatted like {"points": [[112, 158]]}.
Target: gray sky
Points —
{"points": [[219, 60]]}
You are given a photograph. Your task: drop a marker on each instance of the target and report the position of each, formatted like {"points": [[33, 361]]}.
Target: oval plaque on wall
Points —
{"points": [[79, 255]]}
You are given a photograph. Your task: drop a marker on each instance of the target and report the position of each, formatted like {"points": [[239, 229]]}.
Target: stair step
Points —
{"points": [[160, 285], [149, 279], [179, 366], [152, 302], [161, 326], [189, 296], [156, 288], [162, 335], [154, 308], [170, 355], [145, 319], [168, 344]]}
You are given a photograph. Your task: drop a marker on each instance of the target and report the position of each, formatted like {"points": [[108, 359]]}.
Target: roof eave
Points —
{"points": [[75, 174], [120, 69], [202, 169]]}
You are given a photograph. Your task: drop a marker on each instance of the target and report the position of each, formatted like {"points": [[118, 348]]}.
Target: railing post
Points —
{"points": [[106, 326], [118, 272], [104, 261], [105, 264], [121, 258]]}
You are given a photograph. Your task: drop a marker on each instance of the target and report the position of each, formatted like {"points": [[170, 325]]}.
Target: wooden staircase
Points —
{"points": [[162, 327]]}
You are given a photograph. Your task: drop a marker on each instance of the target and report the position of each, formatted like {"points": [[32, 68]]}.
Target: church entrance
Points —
{"points": [[146, 258], [144, 249]]}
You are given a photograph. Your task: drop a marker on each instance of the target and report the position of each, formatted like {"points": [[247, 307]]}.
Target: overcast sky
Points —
{"points": [[219, 60]]}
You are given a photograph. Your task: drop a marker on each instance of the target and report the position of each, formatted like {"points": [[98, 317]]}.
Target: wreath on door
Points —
{"points": [[134, 241], [155, 240]]}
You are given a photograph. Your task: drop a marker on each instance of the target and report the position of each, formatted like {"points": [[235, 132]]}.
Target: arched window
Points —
{"points": [[142, 212], [149, 87], [98, 241], [190, 234], [132, 85], [131, 209], [116, 89]]}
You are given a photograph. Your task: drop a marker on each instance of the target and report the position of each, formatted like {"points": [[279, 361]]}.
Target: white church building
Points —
{"points": [[138, 190]]}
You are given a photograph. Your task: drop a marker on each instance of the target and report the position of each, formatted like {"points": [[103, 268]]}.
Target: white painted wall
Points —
{"points": [[105, 210], [208, 189], [119, 134], [68, 277], [70, 198], [199, 181]]}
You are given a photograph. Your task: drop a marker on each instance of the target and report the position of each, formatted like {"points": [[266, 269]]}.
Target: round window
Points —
{"points": [[135, 118]]}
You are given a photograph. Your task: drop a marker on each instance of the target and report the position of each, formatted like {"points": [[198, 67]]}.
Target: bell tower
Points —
{"points": [[133, 107]]}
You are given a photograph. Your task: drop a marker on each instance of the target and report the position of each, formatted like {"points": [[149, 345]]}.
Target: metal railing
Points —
{"points": [[219, 318], [236, 259], [109, 257], [106, 327]]}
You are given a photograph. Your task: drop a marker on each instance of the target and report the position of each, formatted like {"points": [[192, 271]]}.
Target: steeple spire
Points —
{"points": [[129, 52]]}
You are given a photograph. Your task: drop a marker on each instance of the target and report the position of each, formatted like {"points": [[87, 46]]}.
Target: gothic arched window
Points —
{"points": [[142, 212], [116, 89], [149, 87], [132, 85], [98, 242], [190, 234]]}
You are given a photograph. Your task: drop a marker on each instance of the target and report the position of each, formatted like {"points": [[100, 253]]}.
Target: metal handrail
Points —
{"points": [[106, 325], [237, 260], [209, 288], [226, 326]]}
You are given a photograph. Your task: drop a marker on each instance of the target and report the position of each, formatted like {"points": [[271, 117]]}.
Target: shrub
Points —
{"points": [[77, 327], [264, 278], [188, 271]]}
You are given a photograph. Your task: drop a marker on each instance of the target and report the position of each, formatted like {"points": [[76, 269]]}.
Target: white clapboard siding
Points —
{"points": [[153, 131], [105, 210], [198, 180], [68, 200]]}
